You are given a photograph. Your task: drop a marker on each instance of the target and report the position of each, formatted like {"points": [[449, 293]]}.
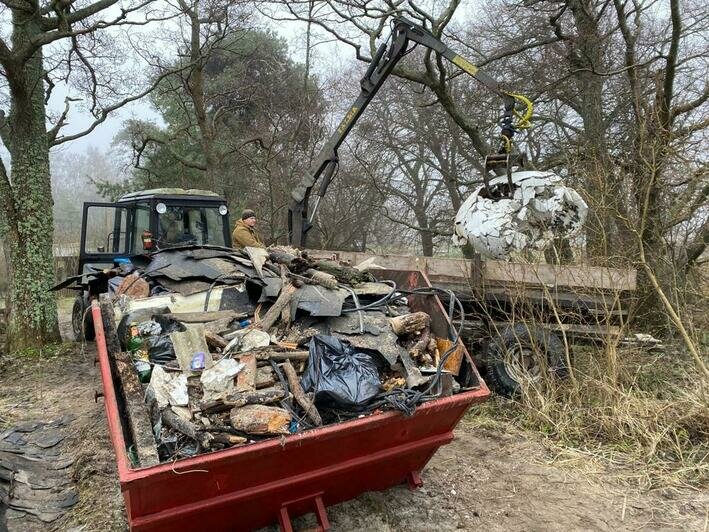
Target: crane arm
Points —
{"points": [[383, 63]]}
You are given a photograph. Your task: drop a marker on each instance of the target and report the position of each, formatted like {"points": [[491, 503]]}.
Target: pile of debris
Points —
{"points": [[231, 347]]}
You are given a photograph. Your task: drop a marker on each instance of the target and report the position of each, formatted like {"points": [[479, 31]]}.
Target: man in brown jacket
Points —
{"points": [[245, 233]]}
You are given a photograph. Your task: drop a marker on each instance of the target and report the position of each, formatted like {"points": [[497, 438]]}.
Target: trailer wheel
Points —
{"points": [[81, 321], [519, 352]]}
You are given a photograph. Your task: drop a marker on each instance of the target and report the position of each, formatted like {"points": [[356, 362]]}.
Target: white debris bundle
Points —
{"points": [[169, 388], [541, 208]]}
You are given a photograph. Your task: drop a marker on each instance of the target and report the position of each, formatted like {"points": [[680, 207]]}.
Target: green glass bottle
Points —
{"points": [[139, 353]]}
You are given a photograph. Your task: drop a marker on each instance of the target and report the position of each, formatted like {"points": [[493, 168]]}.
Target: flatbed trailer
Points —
{"points": [[247, 487], [591, 302], [522, 317]]}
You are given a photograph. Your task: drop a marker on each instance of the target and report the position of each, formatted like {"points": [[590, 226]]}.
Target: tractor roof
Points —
{"points": [[171, 193]]}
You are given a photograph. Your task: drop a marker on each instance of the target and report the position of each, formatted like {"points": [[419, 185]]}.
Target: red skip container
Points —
{"points": [[248, 487]]}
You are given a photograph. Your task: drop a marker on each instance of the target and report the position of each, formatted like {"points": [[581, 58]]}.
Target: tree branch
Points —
{"points": [[52, 23], [60, 30], [692, 105], [696, 249], [671, 63], [189, 163], [52, 133], [105, 112]]}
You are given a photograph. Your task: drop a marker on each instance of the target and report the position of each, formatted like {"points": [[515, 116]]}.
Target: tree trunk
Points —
{"points": [[586, 59], [424, 234], [559, 252], [28, 202]]}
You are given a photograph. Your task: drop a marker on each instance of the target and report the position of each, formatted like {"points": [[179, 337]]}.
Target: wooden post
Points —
{"points": [[294, 383]]}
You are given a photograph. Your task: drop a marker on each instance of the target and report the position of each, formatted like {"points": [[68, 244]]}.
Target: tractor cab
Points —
{"points": [[144, 222], [151, 220]]}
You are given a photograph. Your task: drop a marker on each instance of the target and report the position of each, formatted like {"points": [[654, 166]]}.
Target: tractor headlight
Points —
{"points": [[223, 210], [161, 208]]}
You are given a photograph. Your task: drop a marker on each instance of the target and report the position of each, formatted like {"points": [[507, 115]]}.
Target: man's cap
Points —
{"points": [[248, 213]]}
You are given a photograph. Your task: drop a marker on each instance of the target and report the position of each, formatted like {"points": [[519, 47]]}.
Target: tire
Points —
{"points": [[513, 355], [81, 321]]}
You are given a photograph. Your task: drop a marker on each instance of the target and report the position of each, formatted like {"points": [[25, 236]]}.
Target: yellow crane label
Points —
{"points": [[347, 119], [464, 64]]}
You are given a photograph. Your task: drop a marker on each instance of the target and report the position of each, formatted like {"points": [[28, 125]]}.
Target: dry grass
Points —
{"points": [[651, 419], [644, 414]]}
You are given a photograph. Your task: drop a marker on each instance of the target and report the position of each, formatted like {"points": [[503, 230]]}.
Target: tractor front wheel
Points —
{"points": [[81, 321]]}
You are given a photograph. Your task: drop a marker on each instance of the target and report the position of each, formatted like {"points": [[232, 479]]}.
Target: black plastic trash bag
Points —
{"points": [[160, 349], [339, 374]]}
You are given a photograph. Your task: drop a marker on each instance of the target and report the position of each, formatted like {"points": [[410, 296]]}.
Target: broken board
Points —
{"points": [[187, 344]]}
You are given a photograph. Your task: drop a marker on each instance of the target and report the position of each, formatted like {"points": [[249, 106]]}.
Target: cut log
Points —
{"points": [[263, 397], [281, 257], [344, 274], [421, 350], [410, 323], [108, 317], [294, 384], [246, 378], [136, 410], [214, 340], [175, 422], [259, 419], [284, 299]]}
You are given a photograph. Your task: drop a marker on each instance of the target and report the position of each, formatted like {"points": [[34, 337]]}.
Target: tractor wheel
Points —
{"points": [[521, 352], [81, 321]]}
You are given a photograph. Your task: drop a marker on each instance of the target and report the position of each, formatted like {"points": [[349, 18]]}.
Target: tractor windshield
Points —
{"points": [[181, 225]]}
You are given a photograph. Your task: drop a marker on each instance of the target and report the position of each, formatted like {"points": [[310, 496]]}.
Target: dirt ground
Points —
{"points": [[485, 479]]}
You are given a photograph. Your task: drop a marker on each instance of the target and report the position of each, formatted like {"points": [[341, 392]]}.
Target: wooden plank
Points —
{"points": [[246, 378], [455, 359], [555, 275], [130, 389], [205, 317], [500, 272]]}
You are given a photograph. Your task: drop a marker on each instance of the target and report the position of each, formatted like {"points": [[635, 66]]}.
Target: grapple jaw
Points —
{"points": [[499, 164]]}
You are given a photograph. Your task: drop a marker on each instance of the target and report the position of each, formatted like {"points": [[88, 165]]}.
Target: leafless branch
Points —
{"points": [[106, 111], [52, 133]]}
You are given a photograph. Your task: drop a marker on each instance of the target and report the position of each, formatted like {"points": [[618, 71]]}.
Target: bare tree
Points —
{"points": [[51, 42]]}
